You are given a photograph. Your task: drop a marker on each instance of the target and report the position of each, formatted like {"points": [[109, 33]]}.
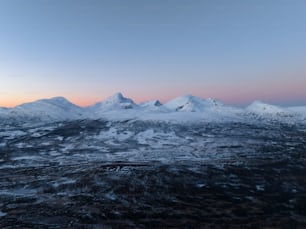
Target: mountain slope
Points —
{"points": [[259, 107], [54, 109], [153, 105], [117, 107], [114, 102], [193, 104]]}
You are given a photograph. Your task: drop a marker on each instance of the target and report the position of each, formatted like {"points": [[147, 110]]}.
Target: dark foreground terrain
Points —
{"points": [[135, 174]]}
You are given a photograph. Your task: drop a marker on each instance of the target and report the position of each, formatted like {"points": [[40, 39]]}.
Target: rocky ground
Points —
{"points": [[142, 174]]}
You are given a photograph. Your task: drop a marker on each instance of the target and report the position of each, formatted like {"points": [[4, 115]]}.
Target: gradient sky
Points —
{"points": [[86, 50]]}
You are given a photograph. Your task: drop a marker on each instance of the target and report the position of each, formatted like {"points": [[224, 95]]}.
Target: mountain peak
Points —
{"points": [[59, 98], [118, 98], [192, 103], [56, 101], [56, 108], [261, 107], [152, 103], [258, 102], [116, 101], [157, 103]]}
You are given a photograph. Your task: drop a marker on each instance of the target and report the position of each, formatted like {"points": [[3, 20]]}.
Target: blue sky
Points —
{"points": [[236, 51]]}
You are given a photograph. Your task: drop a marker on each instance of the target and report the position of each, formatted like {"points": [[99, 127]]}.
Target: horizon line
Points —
{"points": [[233, 104]]}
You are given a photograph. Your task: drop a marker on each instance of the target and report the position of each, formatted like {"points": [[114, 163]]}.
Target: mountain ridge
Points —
{"points": [[119, 107]]}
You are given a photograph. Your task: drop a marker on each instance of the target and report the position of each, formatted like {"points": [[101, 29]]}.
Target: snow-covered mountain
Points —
{"points": [[54, 109], [299, 110], [115, 107], [153, 105], [193, 104], [262, 108], [113, 103]]}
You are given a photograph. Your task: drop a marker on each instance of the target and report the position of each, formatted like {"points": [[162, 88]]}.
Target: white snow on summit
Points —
{"points": [[193, 104], [259, 107], [153, 105], [54, 109], [114, 102], [114, 107], [117, 107]]}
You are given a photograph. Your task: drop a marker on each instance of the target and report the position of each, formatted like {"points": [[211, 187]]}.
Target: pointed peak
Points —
{"points": [[151, 103], [118, 98], [116, 101], [117, 95], [157, 103]]}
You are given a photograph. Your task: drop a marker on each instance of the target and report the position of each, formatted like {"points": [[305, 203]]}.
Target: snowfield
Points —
{"points": [[189, 163]]}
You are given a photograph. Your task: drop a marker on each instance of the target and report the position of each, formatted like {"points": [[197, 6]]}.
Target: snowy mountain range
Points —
{"points": [[183, 108]]}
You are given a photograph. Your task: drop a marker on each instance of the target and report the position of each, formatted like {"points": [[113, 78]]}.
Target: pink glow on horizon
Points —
{"points": [[277, 90], [235, 99]]}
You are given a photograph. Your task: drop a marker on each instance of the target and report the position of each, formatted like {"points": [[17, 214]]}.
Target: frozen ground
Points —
{"points": [[153, 174]]}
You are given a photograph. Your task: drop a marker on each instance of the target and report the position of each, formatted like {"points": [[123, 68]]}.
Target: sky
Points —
{"points": [[86, 50]]}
